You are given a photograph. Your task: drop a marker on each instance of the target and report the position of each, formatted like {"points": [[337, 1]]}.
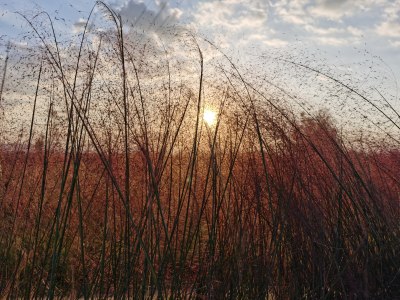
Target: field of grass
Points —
{"points": [[118, 187]]}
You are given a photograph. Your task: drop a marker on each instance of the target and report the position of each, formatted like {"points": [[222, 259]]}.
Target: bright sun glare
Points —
{"points": [[210, 117]]}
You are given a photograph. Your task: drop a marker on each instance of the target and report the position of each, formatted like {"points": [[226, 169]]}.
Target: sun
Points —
{"points": [[210, 117]]}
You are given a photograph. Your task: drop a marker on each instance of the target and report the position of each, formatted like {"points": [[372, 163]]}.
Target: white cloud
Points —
{"points": [[137, 14], [302, 12], [337, 22], [331, 41], [391, 29], [256, 37], [232, 15], [354, 31], [292, 12], [390, 25], [323, 31], [80, 25], [242, 24], [278, 43], [395, 44], [333, 31], [392, 10]]}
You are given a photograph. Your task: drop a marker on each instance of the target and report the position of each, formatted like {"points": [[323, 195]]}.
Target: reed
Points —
{"points": [[119, 188]]}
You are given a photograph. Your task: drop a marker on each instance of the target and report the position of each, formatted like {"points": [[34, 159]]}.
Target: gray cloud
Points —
{"points": [[390, 24], [138, 14], [337, 9]]}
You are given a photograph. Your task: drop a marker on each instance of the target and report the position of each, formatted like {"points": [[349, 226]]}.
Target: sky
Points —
{"points": [[338, 32], [335, 27]]}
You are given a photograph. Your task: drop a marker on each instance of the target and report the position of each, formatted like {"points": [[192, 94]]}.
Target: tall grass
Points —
{"points": [[122, 190]]}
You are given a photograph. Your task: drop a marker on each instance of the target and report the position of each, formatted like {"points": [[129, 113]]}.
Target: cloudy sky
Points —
{"points": [[339, 28]]}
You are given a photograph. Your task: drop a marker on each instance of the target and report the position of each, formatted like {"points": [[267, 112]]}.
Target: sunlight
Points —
{"points": [[210, 117]]}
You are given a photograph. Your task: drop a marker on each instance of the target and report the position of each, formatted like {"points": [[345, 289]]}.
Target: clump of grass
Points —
{"points": [[122, 190]]}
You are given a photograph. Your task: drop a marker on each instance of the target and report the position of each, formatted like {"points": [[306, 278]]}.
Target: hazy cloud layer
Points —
{"points": [[240, 24], [326, 22]]}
